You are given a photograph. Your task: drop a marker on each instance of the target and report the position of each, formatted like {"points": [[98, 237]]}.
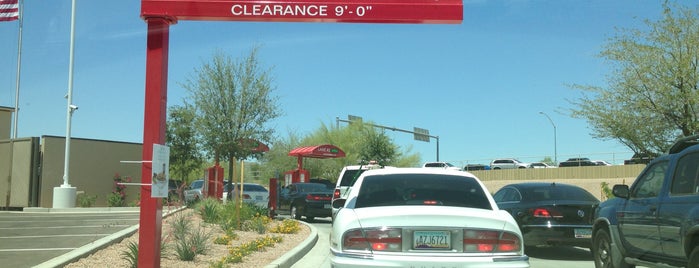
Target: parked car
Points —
{"points": [[423, 217], [540, 165], [550, 213], [507, 163], [469, 167], [253, 193], [444, 165], [194, 192], [640, 158], [653, 223], [348, 175], [305, 199], [601, 163], [577, 162]]}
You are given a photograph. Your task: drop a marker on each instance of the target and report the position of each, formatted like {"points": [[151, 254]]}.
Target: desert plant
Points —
{"points": [[86, 201], [236, 254], [288, 226], [191, 242], [210, 210], [181, 225], [257, 224], [606, 191], [131, 255]]}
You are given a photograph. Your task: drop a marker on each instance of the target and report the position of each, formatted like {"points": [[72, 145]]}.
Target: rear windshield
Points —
{"points": [[421, 189], [557, 192]]}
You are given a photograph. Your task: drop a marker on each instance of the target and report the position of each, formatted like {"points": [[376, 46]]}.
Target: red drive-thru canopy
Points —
{"points": [[318, 151]]}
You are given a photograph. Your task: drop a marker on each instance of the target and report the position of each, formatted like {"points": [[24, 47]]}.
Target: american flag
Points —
{"points": [[9, 10]]}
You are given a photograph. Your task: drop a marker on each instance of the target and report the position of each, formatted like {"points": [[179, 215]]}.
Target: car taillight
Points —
{"points": [[317, 198], [545, 213], [373, 240], [336, 194], [486, 241]]}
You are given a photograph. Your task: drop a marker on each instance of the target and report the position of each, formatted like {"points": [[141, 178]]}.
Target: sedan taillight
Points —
{"points": [[373, 240], [311, 197], [487, 241], [545, 213]]}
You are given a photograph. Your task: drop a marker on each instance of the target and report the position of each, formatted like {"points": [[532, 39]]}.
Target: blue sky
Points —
{"points": [[478, 85]]}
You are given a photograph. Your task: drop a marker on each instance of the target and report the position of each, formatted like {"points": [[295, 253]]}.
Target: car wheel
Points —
{"points": [[295, 213], [694, 258], [602, 252], [310, 218]]}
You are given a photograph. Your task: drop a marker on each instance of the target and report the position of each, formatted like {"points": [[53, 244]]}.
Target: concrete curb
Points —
{"points": [[294, 255], [90, 248]]}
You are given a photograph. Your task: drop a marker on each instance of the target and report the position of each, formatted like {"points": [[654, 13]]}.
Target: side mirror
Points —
{"points": [[339, 203], [621, 191]]}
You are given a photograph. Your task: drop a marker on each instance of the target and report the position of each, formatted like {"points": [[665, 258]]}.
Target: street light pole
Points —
{"points": [[555, 150]]}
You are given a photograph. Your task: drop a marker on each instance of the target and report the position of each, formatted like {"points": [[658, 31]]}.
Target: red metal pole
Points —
{"points": [[153, 133]]}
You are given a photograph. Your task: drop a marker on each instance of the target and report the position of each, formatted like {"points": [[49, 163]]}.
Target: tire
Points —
{"points": [[694, 258], [295, 213], [310, 218], [602, 252]]}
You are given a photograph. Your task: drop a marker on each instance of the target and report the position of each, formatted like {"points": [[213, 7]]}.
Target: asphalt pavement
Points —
{"points": [[46, 238]]}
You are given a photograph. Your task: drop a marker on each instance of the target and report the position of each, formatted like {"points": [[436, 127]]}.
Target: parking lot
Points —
{"points": [[32, 238]]}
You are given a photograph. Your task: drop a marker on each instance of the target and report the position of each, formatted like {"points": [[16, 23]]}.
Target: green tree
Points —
{"points": [[651, 98], [185, 155], [233, 103]]}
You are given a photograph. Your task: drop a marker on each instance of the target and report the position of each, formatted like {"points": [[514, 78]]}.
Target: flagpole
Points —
{"points": [[8, 195], [64, 196], [19, 68]]}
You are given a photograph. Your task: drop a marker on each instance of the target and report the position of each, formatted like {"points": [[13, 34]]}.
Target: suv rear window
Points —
{"points": [[350, 176], [421, 189]]}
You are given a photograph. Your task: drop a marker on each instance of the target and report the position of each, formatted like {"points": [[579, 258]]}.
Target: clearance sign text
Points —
{"points": [[365, 11]]}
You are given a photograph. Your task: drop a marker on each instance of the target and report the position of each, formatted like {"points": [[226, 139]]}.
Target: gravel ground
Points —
{"points": [[112, 256]]}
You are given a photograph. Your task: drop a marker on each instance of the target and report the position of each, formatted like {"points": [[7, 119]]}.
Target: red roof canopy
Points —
{"points": [[318, 151]]}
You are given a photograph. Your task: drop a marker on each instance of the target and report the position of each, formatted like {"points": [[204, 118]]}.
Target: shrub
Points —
{"points": [[606, 191], [86, 201], [210, 210], [117, 198]]}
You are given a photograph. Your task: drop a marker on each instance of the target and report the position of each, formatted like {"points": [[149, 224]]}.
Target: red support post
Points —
{"points": [[153, 133]]}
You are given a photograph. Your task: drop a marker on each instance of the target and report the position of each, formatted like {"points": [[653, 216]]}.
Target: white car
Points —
{"points": [[507, 163], [253, 193], [444, 165], [348, 175], [423, 217]]}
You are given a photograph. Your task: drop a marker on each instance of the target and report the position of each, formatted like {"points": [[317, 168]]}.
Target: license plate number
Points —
{"points": [[326, 205], [583, 233], [431, 240]]}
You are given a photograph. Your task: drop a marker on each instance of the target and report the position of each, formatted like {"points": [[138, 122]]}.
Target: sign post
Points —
{"points": [[159, 14]]}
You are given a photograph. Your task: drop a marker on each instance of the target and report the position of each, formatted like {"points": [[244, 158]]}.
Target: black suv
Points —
{"points": [[655, 222]]}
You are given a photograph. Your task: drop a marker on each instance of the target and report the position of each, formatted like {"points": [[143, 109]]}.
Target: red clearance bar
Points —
{"points": [[358, 11]]}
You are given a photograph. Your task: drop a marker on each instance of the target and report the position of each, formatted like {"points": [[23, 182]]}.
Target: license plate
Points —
{"points": [[326, 206], [583, 233], [431, 240]]}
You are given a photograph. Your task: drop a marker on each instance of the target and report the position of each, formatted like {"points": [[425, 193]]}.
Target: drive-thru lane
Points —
{"points": [[36, 236]]}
